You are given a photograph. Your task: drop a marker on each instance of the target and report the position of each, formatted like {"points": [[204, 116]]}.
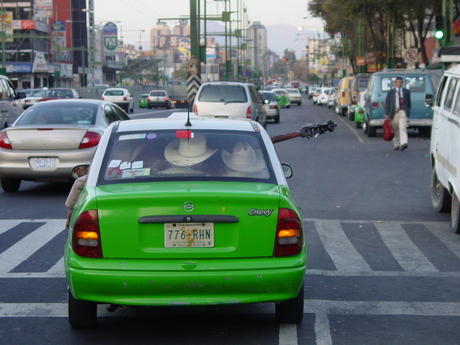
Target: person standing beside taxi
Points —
{"points": [[80, 172], [397, 109]]}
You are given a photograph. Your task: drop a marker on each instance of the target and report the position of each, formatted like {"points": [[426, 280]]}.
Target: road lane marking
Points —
{"points": [[21, 250], [318, 307]]}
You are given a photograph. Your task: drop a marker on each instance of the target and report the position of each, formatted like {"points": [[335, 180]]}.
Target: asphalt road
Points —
{"points": [[384, 268]]}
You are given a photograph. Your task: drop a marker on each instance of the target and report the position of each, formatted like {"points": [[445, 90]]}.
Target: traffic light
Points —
{"points": [[439, 27]]}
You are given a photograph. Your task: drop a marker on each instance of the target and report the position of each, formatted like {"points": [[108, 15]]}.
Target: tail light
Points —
{"points": [[5, 141], [195, 109], [86, 237], [343, 93], [125, 99], [289, 234], [375, 105], [166, 99], [360, 110], [89, 140], [249, 113], [102, 98]]}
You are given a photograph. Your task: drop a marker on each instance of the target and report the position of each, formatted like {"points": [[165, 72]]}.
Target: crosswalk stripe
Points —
{"points": [[20, 251], [345, 256], [445, 234], [403, 249]]}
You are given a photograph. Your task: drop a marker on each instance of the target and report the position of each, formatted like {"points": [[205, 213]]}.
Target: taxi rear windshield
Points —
{"points": [[144, 156]]}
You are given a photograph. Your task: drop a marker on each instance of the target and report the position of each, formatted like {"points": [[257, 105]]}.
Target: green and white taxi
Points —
{"points": [[189, 212]]}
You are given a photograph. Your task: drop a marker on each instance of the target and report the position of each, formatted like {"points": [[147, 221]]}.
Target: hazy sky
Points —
{"points": [[136, 15]]}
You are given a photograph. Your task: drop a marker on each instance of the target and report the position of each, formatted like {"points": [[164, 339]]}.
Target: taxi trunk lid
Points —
{"points": [[188, 220], [46, 137]]}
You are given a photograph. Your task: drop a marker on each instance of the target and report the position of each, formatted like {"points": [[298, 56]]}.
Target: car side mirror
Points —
{"points": [[21, 95], [428, 101], [287, 170], [80, 170]]}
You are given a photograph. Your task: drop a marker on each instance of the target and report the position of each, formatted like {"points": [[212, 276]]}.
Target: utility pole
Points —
{"points": [[194, 64]]}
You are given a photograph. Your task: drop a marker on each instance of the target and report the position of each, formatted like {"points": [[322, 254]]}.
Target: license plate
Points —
{"points": [[43, 163], [181, 235]]}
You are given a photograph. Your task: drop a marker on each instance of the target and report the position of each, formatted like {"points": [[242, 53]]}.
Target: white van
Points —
{"points": [[230, 100], [10, 105], [445, 146]]}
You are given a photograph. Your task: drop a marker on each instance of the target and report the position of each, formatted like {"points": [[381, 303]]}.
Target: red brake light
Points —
{"points": [[289, 233], [89, 140], [375, 105], [5, 141], [249, 113], [195, 109], [86, 237], [166, 99], [102, 98], [125, 99]]}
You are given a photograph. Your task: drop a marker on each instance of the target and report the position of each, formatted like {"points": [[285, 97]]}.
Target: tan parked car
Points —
{"points": [[343, 96], [49, 139], [357, 85]]}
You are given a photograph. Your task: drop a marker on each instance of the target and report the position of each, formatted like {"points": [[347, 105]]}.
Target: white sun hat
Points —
{"points": [[186, 152], [244, 158]]}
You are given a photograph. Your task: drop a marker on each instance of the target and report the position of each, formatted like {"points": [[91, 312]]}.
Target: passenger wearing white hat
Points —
{"points": [[244, 158]]}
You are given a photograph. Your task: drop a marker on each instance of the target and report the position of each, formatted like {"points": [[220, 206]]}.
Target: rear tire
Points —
{"points": [[440, 197], [10, 185], [277, 119], [371, 132], [359, 125], [455, 213], [82, 314], [425, 131], [290, 311]]}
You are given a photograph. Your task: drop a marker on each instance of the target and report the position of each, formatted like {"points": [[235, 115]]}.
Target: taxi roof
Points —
{"points": [[180, 123]]}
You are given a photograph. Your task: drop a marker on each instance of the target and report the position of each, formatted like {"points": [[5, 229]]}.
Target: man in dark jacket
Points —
{"points": [[397, 108]]}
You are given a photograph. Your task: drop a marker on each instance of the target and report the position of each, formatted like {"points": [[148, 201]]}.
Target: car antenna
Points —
{"points": [[188, 123]]}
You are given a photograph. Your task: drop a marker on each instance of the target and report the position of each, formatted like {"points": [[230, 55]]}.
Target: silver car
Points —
{"points": [[49, 139], [271, 105]]}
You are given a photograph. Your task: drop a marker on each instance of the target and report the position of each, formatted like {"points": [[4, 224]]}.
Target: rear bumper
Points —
{"points": [[411, 122], [184, 282]]}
